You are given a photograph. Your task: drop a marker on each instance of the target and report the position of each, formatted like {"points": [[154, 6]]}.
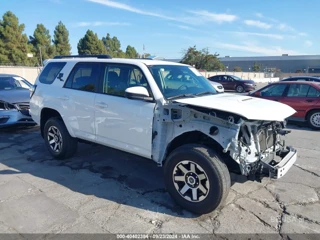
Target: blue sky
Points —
{"points": [[167, 27]]}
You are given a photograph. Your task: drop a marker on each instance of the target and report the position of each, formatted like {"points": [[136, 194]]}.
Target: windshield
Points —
{"points": [[9, 83], [176, 81]]}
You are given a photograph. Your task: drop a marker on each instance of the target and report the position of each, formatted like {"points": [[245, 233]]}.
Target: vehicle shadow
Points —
{"points": [[94, 170]]}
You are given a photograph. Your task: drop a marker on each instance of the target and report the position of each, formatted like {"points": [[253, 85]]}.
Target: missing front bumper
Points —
{"points": [[279, 169]]}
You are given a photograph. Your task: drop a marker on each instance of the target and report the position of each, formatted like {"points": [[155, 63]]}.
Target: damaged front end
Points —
{"points": [[14, 114], [259, 149], [255, 145]]}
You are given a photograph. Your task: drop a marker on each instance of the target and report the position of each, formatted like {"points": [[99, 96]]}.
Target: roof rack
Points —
{"points": [[84, 56]]}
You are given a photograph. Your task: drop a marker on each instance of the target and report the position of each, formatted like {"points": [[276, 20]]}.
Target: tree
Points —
{"points": [[41, 41], [202, 59], [13, 43], [131, 52], [61, 40], [113, 46], [299, 71], [237, 69], [91, 44], [256, 67]]}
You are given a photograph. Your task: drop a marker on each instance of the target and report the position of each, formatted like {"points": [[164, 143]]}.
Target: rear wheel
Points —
{"points": [[314, 119], [58, 140], [197, 178], [239, 89]]}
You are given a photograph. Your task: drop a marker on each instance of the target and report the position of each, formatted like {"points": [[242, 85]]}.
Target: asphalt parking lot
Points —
{"points": [[101, 190]]}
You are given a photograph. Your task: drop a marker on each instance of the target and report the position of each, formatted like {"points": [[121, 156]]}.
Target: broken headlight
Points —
{"points": [[6, 106]]}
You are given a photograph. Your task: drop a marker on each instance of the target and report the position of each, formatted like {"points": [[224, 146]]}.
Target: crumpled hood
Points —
{"points": [[249, 107], [15, 95]]}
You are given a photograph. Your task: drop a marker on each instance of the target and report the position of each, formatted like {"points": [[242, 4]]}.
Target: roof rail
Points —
{"points": [[84, 56]]}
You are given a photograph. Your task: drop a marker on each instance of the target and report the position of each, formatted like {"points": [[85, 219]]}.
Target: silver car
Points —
{"points": [[14, 101]]}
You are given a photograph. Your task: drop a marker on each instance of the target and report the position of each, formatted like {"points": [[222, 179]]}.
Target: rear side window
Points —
{"points": [[313, 92], [50, 72], [298, 90], [84, 76]]}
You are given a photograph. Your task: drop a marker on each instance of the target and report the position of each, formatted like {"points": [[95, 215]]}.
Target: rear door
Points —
{"points": [[232, 83], [301, 97], [225, 82], [78, 98]]}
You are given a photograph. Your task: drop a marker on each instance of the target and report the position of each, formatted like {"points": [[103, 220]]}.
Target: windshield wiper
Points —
{"points": [[204, 93], [181, 96]]}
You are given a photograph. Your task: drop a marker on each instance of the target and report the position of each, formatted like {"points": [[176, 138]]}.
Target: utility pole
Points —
{"points": [[40, 56]]}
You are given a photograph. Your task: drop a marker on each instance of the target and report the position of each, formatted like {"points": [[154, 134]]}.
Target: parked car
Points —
{"points": [[149, 108], [14, 100], [217, 86], [302, 79], [231, 82], [302, 96]]}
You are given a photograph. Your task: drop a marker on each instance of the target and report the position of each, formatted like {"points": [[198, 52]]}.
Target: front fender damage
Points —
{"points": [[253, 145]]}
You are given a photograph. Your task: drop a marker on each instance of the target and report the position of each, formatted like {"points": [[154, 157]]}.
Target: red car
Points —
{"points": [[304, 97]]}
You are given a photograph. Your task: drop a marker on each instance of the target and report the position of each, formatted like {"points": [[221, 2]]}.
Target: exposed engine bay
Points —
{"points": [[255, 145]]}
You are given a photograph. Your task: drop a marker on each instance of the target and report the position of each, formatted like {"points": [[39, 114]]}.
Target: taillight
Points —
{"points": [[32, 90]]}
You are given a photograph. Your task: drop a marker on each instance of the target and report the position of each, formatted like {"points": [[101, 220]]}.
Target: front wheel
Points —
{"points": [[314, 119], [58, 140], [197, 178]]}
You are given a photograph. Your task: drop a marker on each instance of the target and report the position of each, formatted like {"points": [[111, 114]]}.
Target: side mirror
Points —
{"points": [[138, 92], [60, 76]]}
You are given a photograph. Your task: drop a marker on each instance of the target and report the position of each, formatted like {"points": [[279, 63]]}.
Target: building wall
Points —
{"points": [[286, 75], [286, 64], [29, 73]]}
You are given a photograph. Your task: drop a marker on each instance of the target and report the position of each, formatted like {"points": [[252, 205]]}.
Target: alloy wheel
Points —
{"points": [[315, 119], [55, 139], [191, 181]]}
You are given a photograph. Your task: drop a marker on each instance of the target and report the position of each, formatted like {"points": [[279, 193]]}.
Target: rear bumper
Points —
{"points": [[15, 117], [279, 169]]}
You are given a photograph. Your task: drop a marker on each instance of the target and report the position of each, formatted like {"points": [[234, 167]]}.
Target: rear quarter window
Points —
{"points": [[50, 72]]}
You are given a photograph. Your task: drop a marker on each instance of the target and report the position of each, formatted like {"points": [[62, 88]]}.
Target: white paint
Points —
{"points": [[138, 90], [248, 107]]}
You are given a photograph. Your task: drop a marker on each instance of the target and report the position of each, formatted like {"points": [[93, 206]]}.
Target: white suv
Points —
{"points": [[167, 112]]}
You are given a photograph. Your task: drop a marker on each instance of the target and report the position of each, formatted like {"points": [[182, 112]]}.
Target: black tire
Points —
{"points": [[239, 89], [69, 144], [313, 119], [215, 169]]}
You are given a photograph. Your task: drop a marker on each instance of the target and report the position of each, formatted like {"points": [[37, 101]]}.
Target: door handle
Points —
{"points": [[276, 100], [309, 100], [63, 98]]}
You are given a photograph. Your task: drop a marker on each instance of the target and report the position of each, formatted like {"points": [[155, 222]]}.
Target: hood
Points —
{"points": [[15, 95], [249, 107]]}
